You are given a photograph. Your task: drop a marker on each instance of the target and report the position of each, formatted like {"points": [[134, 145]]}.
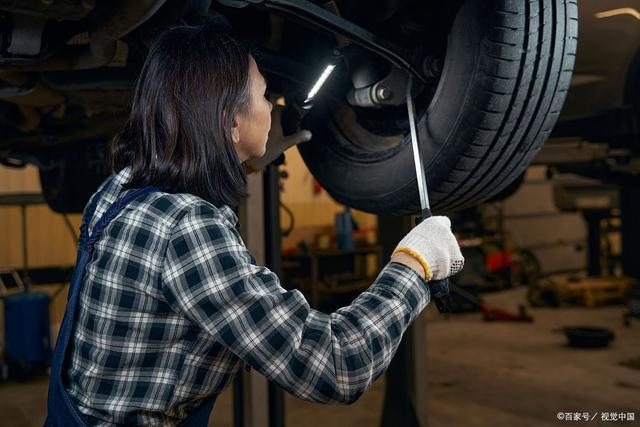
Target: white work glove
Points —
{"points": [[433, 244], [277, 143]]}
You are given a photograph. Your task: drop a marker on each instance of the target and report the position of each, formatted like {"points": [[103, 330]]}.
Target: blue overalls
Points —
{"points": [[62, 412]]}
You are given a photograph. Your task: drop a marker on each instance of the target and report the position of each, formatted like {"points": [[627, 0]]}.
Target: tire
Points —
{"points": [[72, 175], [509, 190], [506, 73]]}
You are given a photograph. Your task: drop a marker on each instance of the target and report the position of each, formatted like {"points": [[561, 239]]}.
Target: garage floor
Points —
{"points": [[482, 374]]}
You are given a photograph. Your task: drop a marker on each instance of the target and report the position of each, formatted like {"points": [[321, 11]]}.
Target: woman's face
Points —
{"points": [[251, 129]]}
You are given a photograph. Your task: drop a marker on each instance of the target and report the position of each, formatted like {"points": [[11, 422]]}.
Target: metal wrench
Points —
{"points": [[439, 288]]}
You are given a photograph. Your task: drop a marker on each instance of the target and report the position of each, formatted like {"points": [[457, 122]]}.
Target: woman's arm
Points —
{"points": [[409, 261], [210, 277]]}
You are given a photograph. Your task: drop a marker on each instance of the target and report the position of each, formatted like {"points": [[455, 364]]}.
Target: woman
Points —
{"points": [[167, 303]]}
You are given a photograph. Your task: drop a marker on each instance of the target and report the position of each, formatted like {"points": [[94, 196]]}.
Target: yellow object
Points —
{"points": [[324, 241], [417, 256]]}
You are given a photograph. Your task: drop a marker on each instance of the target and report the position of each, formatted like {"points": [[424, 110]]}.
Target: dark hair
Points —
{"points": [[178, 136]]}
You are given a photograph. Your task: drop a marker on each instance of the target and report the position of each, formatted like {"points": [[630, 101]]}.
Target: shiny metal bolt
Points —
{"points": [[383, 93]]}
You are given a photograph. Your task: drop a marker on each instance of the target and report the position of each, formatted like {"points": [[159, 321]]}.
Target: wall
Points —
{"points": [[313, 213], [49, 241]]}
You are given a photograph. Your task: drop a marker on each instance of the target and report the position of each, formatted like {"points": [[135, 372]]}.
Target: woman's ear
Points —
{"points": [[235, 130]]}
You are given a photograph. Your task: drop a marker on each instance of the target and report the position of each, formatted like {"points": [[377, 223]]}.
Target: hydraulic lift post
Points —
{"points": [[273, 260], [257, 403], [405, 400], [251, 390]]}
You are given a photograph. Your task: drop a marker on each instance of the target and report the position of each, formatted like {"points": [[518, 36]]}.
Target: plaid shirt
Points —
{"points": [[172, 303]]}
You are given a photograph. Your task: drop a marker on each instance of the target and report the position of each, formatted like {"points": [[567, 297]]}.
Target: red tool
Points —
{"points": [[491, 313], [498, 314]]}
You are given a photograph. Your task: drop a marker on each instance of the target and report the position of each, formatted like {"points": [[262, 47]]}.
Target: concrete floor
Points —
{"points": [[481, 374]]}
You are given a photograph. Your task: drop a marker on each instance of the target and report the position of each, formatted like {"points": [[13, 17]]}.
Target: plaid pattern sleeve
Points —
{"points": [[211, 279]]}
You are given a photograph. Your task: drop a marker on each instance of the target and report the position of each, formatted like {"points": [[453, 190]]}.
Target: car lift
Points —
{"points": [[257, 403]]}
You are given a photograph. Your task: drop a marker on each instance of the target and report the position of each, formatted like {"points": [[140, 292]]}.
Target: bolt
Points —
{"points": [[383, 93]]}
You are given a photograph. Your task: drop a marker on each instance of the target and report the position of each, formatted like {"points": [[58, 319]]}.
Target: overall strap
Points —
{"points": [[114, 210], [89, 211]]}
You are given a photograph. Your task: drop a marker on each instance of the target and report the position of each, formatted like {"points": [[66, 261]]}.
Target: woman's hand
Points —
{"points": [[277, 143], [432, 244]]}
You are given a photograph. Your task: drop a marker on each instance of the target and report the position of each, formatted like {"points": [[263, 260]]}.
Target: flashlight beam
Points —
{"points": [[323, 78]]}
